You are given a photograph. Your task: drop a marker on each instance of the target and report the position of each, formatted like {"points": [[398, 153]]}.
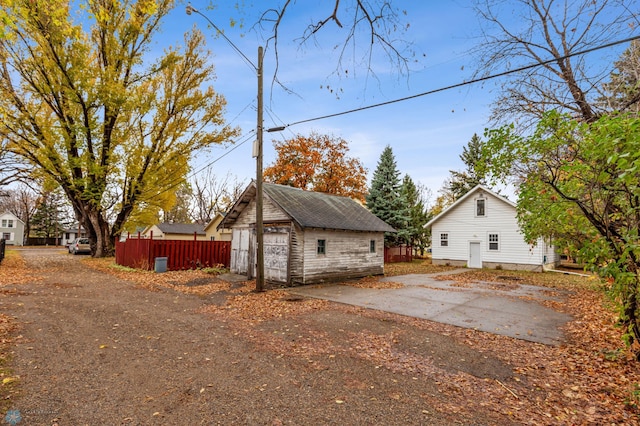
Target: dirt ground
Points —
{"points": [[95, 349]]}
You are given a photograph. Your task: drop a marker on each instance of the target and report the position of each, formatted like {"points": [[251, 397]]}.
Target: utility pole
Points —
{"points": [[259, 198], [258, 152]]}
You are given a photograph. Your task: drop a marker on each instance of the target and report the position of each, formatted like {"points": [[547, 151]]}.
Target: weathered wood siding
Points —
{"points": [[243, 242], [296, 255], [240, 251], [276, 253], [464, 227], [347, 255]]}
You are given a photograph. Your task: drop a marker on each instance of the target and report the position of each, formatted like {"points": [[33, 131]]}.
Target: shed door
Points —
{"points": [[276, 256], [240, 251], [475, 255]]}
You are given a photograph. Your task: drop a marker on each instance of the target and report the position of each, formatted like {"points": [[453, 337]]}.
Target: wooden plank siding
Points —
{"points": [[347, 255], [141, 253]]}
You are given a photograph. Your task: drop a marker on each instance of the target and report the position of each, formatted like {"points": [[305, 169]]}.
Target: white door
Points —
{"points": [[240, 251], [475, 256], [276, 256]]}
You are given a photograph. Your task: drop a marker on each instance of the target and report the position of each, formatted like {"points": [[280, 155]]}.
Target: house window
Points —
{"points": [[372, 246], [322, 247], [494, 242], [7, 223], [444, 239], [480, 207], [6, 236]]}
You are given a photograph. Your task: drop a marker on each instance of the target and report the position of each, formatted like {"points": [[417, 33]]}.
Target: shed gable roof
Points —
{"points": [[477, 189], [313, 209]]}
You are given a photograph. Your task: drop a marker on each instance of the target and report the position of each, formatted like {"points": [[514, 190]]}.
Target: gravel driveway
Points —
{"points": [[96, 350]]}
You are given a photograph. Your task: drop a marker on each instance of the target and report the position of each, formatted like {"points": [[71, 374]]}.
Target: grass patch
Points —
{"points": [[417, 266]]}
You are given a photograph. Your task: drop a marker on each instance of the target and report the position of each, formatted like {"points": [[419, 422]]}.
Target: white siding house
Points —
{"points": [[480, 230], [309, 237], [11, 229]]}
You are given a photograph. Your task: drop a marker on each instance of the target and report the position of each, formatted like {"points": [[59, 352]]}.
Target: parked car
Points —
{"points": [[80, 245]]}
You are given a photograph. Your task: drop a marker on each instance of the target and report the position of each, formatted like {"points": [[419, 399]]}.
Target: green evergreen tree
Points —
{"points": [[385, 199], [49, 217], [622, 91], [462, 182], [419, 236]]}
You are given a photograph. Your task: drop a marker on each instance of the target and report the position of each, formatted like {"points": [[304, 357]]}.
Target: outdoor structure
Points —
{"points": [[11, 229], [480, 230], [68, 235], [175, 231], [309, 237], [213, 233]]}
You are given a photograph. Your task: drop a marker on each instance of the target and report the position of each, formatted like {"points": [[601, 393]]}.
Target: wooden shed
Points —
{"points": [[309, 237]]}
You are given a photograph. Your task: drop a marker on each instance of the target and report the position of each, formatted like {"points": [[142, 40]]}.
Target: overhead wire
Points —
{"points": [[464, 83]]}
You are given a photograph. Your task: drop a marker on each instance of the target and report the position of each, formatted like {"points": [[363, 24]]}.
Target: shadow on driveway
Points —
{"points": [[513, 310]]}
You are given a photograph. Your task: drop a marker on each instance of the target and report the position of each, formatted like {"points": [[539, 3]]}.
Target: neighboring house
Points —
{"points": [[69, 235], [309, 237], [215, 234], [175, 231], [11, 229], [480, 230]]}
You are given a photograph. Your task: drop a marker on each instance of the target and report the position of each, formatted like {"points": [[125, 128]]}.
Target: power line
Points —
{"points": [[454, 86]]}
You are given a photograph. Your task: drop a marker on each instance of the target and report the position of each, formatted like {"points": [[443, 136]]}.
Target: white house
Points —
{"points": [[11, 229], [69, 235], [480, 230]]}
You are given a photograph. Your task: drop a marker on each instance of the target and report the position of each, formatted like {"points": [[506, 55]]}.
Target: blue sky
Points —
{"points": [[427, 134]]}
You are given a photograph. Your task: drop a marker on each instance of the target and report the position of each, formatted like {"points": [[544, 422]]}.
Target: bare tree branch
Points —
{"points": [[520, 32]]}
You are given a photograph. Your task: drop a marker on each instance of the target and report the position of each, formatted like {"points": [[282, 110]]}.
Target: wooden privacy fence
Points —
{"points": [[398, 254], [142, 253]]}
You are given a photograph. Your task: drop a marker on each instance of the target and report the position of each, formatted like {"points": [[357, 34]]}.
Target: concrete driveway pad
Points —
{"points": [[507, 309]]}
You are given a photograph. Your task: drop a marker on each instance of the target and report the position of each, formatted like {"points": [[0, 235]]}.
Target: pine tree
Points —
{"points": [[385, 199], [49, 217], [418, 217], [462, 182], [622, 92]]}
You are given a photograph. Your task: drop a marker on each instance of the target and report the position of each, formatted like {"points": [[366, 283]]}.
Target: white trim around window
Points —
{"points": [[493, 241], [444, 239], [481, 207]]}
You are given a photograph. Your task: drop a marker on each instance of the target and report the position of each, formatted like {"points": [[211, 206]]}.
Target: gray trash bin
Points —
{"points": [[161, 264]]}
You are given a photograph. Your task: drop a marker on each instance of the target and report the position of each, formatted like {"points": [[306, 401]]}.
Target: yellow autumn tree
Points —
{"points": [[81, 103], [318, 163]]}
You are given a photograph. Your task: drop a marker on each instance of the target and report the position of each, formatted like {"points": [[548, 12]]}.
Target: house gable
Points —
{"points": [[11, 229], [482, 227]]}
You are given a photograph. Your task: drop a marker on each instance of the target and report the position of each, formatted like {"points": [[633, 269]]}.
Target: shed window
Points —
{"points": [[444, 239], [322, 247], [494, 242], [480, 207], [372, 246]]}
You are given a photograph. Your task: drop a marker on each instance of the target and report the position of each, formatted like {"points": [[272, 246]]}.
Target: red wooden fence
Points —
{"points": [[398, 254], [141, 253]]}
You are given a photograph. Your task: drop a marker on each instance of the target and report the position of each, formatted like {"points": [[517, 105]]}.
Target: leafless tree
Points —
{"points": [[366, 28], [212, 195], [22, 202], [516, 33]]}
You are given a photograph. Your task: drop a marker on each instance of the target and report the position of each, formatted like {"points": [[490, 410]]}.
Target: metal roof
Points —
{"points": [[313, 209]]}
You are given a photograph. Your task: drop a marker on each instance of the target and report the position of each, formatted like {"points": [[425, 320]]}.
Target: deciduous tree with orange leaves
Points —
{"points": [[318, 163]]}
